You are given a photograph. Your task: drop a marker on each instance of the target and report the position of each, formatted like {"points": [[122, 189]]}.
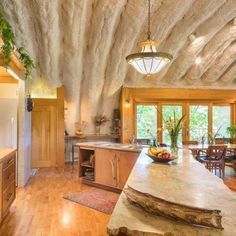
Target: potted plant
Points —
{"points": [[173, 126], [231, 130], [212, 137]]}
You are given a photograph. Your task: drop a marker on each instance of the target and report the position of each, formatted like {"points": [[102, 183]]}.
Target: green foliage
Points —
{"points": [[231, 130], [8, 39], [146, 121], [198, 123], [8, 47], [172, 111], [26, 60], [212, 137]]}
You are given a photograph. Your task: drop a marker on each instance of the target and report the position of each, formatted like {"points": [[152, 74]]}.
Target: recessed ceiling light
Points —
{"points": [[233, 27], [192, 37], [198, 60]]}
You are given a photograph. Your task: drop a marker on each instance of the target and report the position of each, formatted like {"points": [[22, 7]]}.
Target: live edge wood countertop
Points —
{"points": [[5, 152], [186, 182]]}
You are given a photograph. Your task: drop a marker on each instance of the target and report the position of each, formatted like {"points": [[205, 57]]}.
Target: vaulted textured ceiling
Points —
{"points": [[82, 44]]}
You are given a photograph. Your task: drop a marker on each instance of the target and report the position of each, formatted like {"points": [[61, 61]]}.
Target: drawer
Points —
{"points": [[8, 160], [8, 175], [8, 197]]}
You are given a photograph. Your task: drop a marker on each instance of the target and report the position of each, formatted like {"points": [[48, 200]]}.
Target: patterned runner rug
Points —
{"points": [[97, 199]]}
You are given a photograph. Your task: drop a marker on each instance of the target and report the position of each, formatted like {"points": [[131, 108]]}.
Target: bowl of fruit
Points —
{"points": [[158, 154]]}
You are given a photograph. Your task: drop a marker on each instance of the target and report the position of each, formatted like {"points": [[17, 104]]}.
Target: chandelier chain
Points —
{"points": [[149, 20]]}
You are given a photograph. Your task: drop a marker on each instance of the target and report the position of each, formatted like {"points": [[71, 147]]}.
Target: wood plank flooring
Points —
{"points": [[40, 210]]}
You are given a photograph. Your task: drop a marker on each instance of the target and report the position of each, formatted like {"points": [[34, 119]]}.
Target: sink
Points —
{"points": [[119, 145], [105, 144]]}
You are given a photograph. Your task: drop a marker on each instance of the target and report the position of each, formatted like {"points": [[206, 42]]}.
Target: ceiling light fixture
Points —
{"points": [[149, 61]]}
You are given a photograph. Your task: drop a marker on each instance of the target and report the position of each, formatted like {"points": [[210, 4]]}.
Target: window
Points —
{"points": [[198, 122], [202, 118], [221, 120], [146, 118], [169, 111]]}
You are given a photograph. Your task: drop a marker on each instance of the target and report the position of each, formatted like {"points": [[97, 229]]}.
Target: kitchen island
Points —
{"points": [[105, 164], [185, 182]]}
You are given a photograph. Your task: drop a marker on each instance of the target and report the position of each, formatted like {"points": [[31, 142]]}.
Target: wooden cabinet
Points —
{"points": [[7, 180], [125, 164], [112, 167], [105, 164]]}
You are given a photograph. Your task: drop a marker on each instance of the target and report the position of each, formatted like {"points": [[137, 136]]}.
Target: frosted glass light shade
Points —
{"points": [[148, 61]]}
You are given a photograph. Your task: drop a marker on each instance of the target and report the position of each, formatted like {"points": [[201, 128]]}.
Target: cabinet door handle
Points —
{"points": [[112, 168], [118, 170]]}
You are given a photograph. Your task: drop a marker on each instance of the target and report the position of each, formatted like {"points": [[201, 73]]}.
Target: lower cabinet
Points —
{"points": [[7, 182], [105, 167], [112, 167], [125, 164]]}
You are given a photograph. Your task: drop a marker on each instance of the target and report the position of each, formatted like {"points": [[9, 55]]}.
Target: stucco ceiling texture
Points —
{"points": [[82, 44]]}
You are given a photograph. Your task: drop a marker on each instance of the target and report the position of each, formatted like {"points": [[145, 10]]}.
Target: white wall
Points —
{"points": [[24, 138]]}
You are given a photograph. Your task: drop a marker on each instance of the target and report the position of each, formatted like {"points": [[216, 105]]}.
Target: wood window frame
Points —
{"points": [[160, 97]]}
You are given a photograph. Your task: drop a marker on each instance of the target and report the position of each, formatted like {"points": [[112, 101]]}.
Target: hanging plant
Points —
{"points": [[9, 47], [26, 60], [8, 40]]}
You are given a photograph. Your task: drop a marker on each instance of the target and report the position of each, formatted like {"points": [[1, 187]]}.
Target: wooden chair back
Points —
{"points": [[219, 141], [163, 145], [216, 152], [141, 141], [190, 142]]}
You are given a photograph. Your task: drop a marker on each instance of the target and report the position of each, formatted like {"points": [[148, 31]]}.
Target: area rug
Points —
{"points": [[97, 199]]}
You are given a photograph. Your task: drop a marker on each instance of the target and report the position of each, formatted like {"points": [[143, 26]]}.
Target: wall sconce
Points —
{"points": [[127, 103]]}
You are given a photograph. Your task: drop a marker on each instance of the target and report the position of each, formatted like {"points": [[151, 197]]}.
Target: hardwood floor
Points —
{"points": [[40, 210]]}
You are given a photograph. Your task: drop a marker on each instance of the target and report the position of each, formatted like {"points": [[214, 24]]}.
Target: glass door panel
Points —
{"points": [[146, 119], [198, 122], [168, 111], [221, 120]]}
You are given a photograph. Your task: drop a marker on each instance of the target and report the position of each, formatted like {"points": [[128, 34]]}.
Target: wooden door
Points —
{"points": [[44, 136], [125, 164], [105, 164]]}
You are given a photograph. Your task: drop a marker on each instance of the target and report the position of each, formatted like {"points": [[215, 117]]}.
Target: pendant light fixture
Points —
{"points": [[149, 61]]}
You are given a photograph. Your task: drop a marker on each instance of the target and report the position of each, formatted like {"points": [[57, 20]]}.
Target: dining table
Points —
{"points": [[204, 147]]}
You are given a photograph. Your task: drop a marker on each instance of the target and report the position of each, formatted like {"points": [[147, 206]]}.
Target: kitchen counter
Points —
{"points": [[106, 165], [184, 182], [112, 146], [6, 152]]}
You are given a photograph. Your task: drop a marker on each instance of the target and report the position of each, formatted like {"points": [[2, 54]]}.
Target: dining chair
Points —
{"points": [[230, 158], [219, 141], [142, 141], [162, 145], [215, 159], [190, 142]]}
